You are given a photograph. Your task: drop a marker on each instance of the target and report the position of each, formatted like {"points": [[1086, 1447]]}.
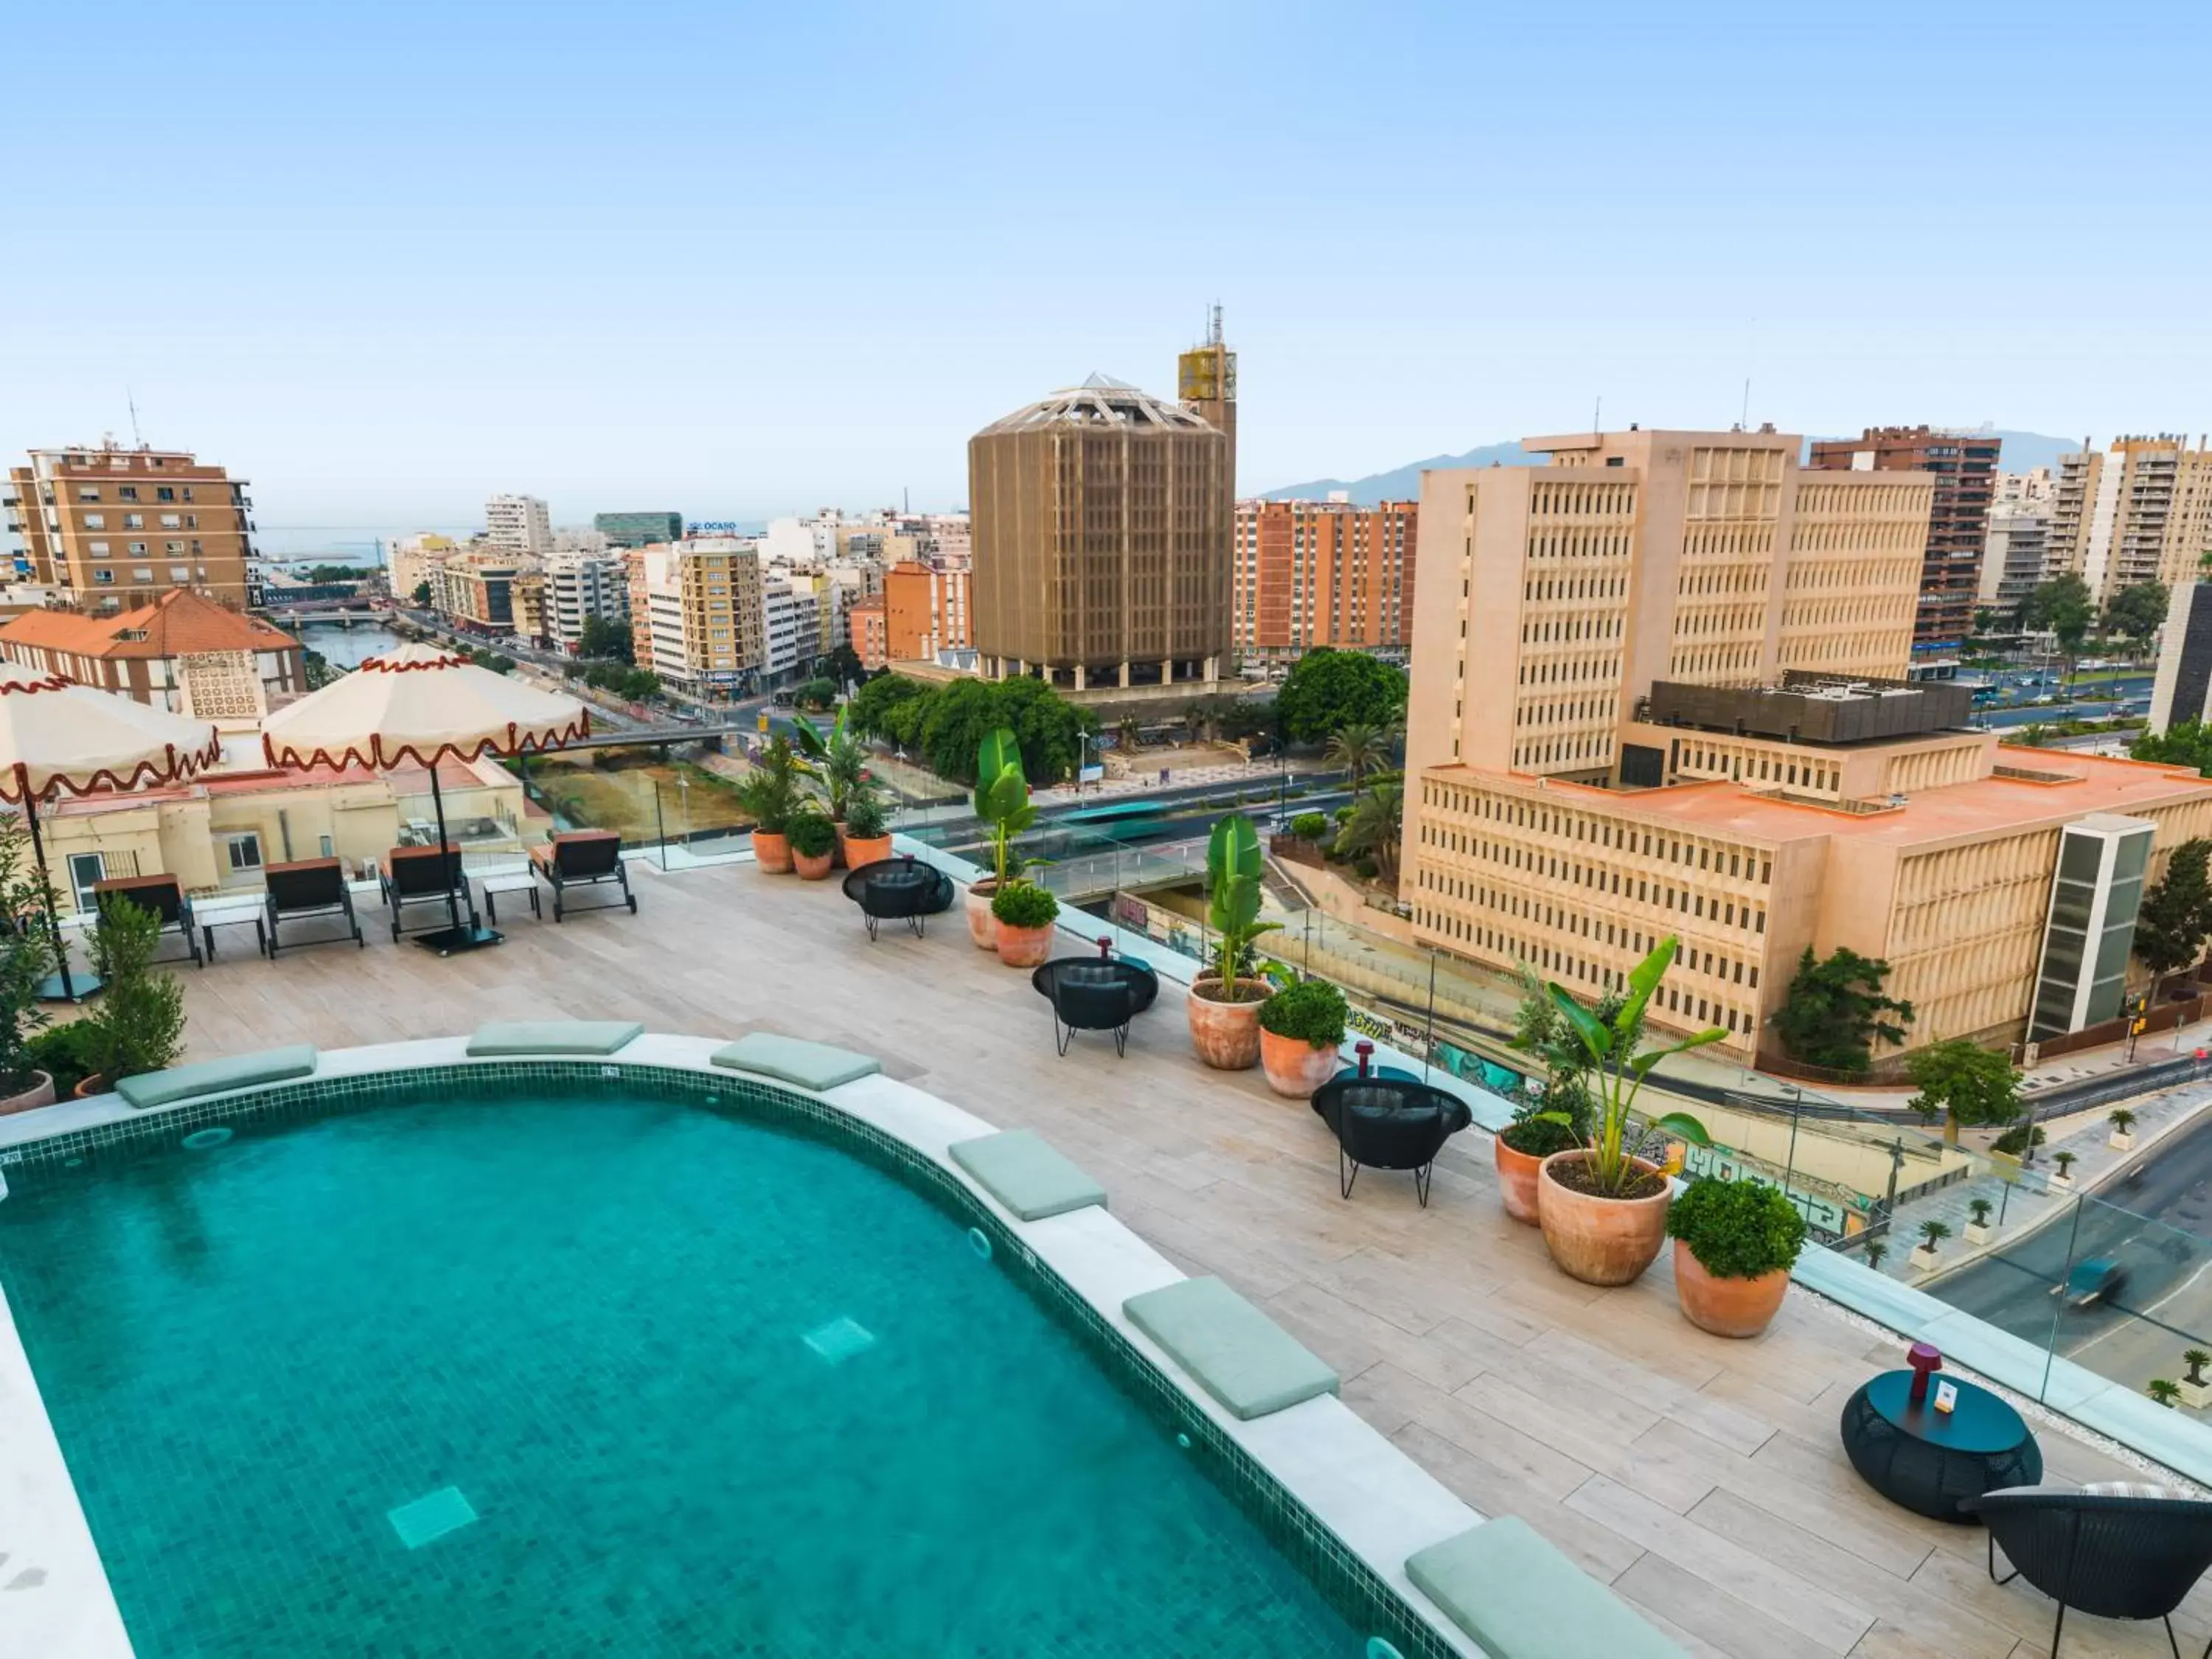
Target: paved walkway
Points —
{"points": [[1701, 1478]]}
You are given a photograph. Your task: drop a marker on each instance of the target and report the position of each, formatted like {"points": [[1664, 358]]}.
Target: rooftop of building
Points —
{"points": [[1101, 401], [1818, 708], [2031, 787], [180, 623]]}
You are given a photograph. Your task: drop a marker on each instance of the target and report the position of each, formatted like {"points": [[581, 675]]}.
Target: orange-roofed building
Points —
{"points": [[864, 618], [183, 652]]}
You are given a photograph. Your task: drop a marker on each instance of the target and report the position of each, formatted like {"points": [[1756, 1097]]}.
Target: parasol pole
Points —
{"points": [[45, 882], [453, 872]]}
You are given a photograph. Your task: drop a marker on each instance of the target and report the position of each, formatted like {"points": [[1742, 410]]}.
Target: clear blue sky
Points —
{"points": [[742, 259]]}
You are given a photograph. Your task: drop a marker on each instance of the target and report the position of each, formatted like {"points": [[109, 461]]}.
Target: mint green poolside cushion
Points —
{"points": [[1521, 1599], [1237, 1354], [551, 1036], [815, 1066], [214, 1077], [1027, 1174]]}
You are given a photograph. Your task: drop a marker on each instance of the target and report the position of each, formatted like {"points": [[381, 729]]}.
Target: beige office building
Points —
{"points": [[116, 528], [1101, 542], [697, 615], [1657, 688], [2139, 512]]}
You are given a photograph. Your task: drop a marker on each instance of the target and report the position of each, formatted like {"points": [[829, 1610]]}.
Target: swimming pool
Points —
{"points": [[584, 1366]]}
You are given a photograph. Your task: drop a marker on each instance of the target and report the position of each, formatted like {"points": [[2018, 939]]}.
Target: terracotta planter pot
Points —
{"points": [[1600, 1240], [1517, 1180], [91, 1086], [1726, 1307], [40, 1093], [1225, 1034], [816, 868], [772, 852], [982, 926], [1294, 1067], [860, 851], [1025, 947]]}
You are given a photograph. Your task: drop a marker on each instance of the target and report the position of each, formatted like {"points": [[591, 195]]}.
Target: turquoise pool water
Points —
{"points": [[600, 1375]]}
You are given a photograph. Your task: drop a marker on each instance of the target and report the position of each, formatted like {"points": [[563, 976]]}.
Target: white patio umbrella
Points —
{"points": [[419, 703], [56, 735]]}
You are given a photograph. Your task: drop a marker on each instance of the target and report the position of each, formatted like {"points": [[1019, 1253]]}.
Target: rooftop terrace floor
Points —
{"points": [[1703, 1478]]}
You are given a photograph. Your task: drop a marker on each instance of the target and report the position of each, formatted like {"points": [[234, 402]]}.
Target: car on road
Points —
{"points": [[2100, 1279]]}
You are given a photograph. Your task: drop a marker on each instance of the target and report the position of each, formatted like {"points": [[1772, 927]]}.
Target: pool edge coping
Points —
{"points": [[1376, 1501]]}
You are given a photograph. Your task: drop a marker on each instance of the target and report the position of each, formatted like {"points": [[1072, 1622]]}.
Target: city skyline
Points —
{"points": [[604, 278]]}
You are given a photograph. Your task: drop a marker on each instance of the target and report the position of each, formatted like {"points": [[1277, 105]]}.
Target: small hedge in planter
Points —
{"points": [[1024, 904], [812, 835], [1310, 826], [1532, 1136], [1312, 1012], [865, 815], [1737, 1229]]}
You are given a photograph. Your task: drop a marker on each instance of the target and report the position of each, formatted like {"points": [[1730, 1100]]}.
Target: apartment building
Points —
{"points": [[2017, 557], [1658, 687], [865, 632], [413, 558], [791, 628], [476, 591], [1102, 523], [114, 528], [518, 524], [1963, 467], [1311, 574], [2139, 512], [926, 610], [627, 530], [696, 615], [183, 653], [580, 585]]}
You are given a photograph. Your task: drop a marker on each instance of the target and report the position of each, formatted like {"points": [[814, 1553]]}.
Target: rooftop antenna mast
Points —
{"points": [[1597, 419], [1747, 403], [1213, 324], [132, 401]]}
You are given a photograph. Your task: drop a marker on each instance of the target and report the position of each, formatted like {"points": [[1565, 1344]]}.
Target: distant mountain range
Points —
{"points": [[2023, 450]]}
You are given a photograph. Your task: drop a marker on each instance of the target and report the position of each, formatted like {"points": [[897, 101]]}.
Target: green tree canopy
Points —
{"points": [[1328, 691], [946, 723], [1376, 823], [422, 594], [2062, 606], [2138, 611], [816, 693], [602, 638], [2177, 910], [872, 706], [1834, 1011], [1963, 1082], [2185, 743], [842, 664]]}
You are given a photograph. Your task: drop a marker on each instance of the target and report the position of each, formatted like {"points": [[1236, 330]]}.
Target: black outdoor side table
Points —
{"points": [[1929, 1460]]}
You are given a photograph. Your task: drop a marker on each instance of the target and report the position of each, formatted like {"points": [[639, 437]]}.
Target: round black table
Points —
{"points": [[1929, 1460]]}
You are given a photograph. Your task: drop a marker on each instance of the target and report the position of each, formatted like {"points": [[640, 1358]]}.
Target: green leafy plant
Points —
{"points": [[2163, 1389], [1535, 1132], [1002, 802], [1980, 1208], [1933, 1233], [1360, 747], [1313, 1011], [1233, 869], [1310, 826], [769, 794], [139, 1023], [1834, 1011], [2017, 1140], [836, 760], [26, 954], [815, 693], [812, 833], [2122, 1119], [867, 816], [1737, 1229], [1607, 1054], [2196, 1359], [1326, 690], [66, 1053], [1024, 904]]}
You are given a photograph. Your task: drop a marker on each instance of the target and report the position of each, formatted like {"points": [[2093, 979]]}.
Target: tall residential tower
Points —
{"points": [[1963, 466], [115, 528]]}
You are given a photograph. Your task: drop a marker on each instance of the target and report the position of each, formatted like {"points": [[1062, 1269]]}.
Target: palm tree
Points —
{"points": [[1933, 1233], [1875, 1250], [1131, 734], [2122, 1119], [1360, 749], [2163, 1390], [2065, 1162], [1377, 821], [2196, 1359], [1193, 722]]}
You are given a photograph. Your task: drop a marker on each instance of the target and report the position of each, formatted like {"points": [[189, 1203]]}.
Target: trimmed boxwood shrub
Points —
{"points": [[811, 834], [1737, 1229], [1025, 904], [1310, 826], [1311, 1010]]}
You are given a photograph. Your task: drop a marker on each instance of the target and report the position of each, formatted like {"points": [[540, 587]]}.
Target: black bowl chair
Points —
{"points": [[1102, 992], [1385, 1124], [2112, 1555], [896, 889]]}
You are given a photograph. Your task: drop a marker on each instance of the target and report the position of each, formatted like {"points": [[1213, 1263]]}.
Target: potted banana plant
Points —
{"points": [[838, 760], [1602, 1208], [1224, 1002], [1003, 809]]}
